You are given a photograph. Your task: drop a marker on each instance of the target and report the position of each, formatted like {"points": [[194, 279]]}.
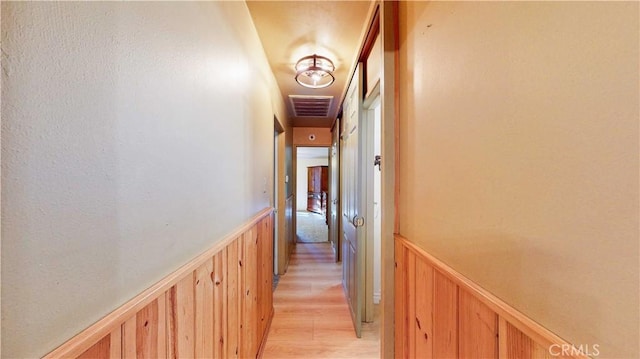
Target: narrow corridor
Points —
{"points": [[312, 317]]}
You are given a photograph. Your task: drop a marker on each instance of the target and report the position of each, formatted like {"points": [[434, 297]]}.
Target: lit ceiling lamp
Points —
{"points": [[315, 72]]}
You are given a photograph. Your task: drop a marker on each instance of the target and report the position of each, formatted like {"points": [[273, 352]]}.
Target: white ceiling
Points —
{"points": [[313, 152], [290, 30]]}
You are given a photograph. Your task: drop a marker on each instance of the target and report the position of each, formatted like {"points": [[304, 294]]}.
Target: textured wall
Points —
{"points": [[519, 156], [134, 135]]}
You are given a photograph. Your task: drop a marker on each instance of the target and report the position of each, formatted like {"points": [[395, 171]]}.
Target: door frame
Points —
{"points": [[369, 104], [334, 189], [294, 161], [279, 198], [390, 116], [385, 21]]}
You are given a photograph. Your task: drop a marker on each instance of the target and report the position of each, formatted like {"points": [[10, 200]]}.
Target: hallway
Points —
{"points": [[150, 185], [312, 318], [311, 227]]}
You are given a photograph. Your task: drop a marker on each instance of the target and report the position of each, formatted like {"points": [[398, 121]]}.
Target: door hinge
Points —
{"points": [[358, 221]]}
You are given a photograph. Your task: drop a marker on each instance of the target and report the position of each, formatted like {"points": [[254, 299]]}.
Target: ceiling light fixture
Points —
{"points": [[315, 72]]}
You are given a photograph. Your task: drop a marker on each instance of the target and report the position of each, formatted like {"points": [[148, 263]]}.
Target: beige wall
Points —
{"points": [[134, 136], [519, 156], [301, 136]]}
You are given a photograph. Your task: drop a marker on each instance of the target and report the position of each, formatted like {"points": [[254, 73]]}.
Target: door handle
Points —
{"points": [[357, 221]]}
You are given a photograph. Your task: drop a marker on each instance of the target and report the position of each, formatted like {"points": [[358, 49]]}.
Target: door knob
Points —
{"points": [[358, 221]]}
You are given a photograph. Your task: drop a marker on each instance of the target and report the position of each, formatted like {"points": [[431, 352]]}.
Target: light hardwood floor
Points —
{"points": [[312, 317]]}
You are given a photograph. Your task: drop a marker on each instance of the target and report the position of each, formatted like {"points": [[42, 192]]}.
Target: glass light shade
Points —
{"points": [[315, 71]]}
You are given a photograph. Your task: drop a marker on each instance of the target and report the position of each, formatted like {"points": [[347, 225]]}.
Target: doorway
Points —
{"points": [[279, 220], [373, 203], [312, 194]]}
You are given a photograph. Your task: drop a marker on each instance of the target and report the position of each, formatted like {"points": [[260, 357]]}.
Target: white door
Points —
{"points": [[352, 201], [334, 192]]}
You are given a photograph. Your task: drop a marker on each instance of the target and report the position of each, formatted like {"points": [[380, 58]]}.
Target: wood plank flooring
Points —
{"points": [[312, 317]]}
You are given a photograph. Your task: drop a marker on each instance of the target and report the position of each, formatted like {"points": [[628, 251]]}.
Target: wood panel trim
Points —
{"points": [[93, 334], [372, 32], [526, 325], [395, 14], [389, 31]]}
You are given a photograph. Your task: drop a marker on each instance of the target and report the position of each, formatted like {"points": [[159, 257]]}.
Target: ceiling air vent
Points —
{"points": [[310, 106]]}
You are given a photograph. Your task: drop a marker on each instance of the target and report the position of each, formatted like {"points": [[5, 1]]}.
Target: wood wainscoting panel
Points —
{"points": [[424, 309], [220, 318], [204, 310], [265, 280], [410, 308], [116, 344], [399, 303], [233, 299], [439, 313], [108, 347], [248, 313], [285, 250], [217, 306], [540, 352], [478, 336], [445, 317], [144, 334], [514, 344], [101, 349], [182, 318]]}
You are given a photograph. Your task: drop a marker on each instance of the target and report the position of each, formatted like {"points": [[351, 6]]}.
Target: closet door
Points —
{"points": [[353, 197]]}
